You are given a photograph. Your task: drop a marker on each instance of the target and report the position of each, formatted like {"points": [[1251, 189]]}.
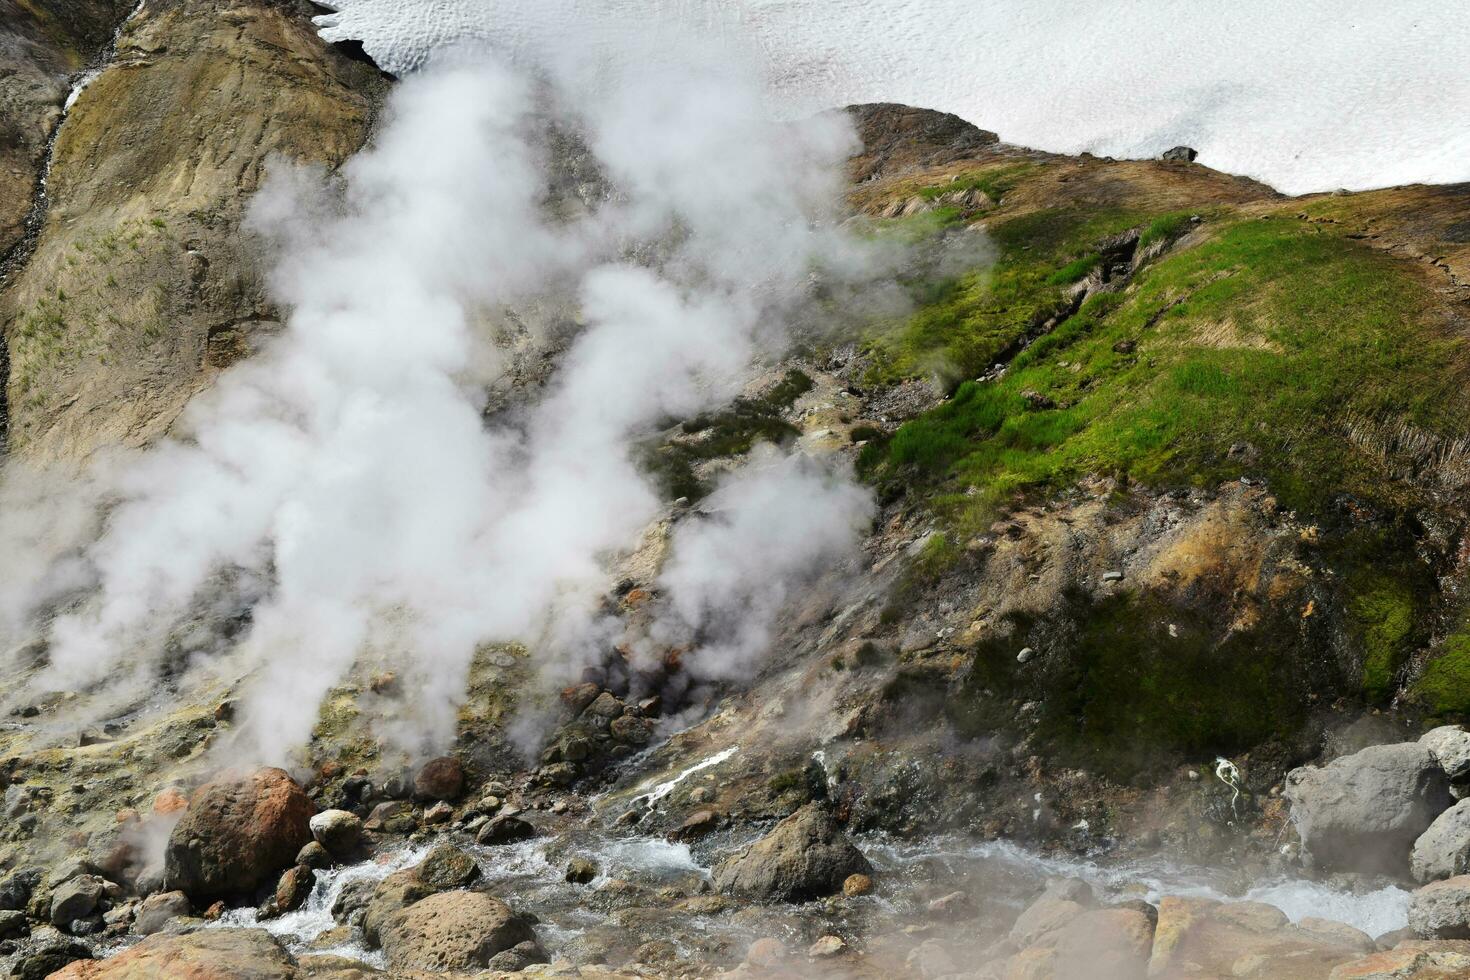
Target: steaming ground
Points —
{"points": [[1273, 91], [340, 495]]}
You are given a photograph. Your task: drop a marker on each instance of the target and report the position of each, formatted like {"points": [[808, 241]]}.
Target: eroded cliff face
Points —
{"points": [[141, 283]]}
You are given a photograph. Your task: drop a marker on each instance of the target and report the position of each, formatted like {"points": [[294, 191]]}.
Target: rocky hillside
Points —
{"points": [[138, 283], [1171, 468]]}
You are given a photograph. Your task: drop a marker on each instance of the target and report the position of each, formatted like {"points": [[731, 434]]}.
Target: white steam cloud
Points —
{"points": [[342, 494], [771, 526]]}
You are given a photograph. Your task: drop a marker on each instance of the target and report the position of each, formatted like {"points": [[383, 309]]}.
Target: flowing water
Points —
{"points": [[1000, 877]]}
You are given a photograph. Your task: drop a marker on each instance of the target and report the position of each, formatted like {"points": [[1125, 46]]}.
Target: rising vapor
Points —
{"points": [[341, 494]]}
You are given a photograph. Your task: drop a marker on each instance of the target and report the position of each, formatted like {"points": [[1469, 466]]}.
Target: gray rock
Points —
{"points": [[1450, 746], [337, 830], [13, 924], [156, 910], [1180, 154], [1364, 811], [16, 888], [504, 829], [446, 867], [1442, 910], [1443, 850], [49, 958], [75, 899], [455, 930], [804, 856]]}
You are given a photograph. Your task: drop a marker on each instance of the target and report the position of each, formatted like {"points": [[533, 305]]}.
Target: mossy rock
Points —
{"points": [[1135, 683]]}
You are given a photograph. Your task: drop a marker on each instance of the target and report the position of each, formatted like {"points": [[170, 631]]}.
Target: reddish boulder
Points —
{"points": [[439, 779], [238, 833]]}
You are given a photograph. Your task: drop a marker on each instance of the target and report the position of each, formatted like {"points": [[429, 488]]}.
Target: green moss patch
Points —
{"points": [[1135, 683], [1382, 612], [1273, 348], [1444, 687]]}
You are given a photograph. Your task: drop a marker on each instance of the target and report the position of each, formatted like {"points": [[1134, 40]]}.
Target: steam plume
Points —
{"points": [[341, 493]]}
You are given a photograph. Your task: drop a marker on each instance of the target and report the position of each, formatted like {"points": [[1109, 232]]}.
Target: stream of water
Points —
{"points": [[1000, 876]]}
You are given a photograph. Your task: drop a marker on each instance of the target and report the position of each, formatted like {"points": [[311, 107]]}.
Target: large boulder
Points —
{"points": [[1200, 938], [1364, 811], [1105, 944], [209, 954], [76, 899], [237, 834], [394, 893], [804, 856], [457, 930], [1441, 910], [1443, 850], [439, 779]]}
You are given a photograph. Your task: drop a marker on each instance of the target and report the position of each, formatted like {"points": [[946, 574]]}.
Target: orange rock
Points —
{"points": [[171, 800], [856, 885]]}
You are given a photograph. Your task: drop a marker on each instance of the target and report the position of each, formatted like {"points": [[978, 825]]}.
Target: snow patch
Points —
{"points": [[1306, 96]]}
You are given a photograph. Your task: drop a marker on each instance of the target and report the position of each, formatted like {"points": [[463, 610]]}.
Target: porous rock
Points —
{"points": [[237, 834], [455, 930], [208, 954]]}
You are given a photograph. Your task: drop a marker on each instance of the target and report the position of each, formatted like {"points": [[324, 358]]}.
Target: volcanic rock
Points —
{"points": [[14, 924], [75, 899], [804, 856], [392, 895], [337, 830], [439, 779], [504, 829], [446, 867], [1441, 910], [313, 855], [1443, 850], [237, 834], [209, 954], [1450, 746], [52, 957], [457, 930], [156, 910], [1364, 811], [581, 870]]}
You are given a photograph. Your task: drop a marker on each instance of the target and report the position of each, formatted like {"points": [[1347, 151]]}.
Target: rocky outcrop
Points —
{"points": [[237, 834], [1364, 811], [215, 954], [1201, 938], [804, 856], [900, 138], [141, 283], [457, 930]]}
